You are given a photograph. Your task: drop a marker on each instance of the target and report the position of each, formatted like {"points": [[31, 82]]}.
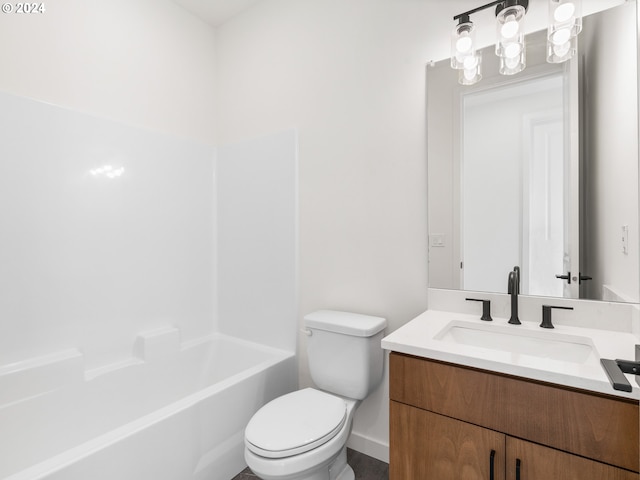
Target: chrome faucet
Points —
{"points": [[513, 289]]}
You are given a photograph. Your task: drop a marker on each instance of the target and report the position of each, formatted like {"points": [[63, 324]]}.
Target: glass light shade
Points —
{"points": [[472, 71], [463, 44], [561, 52], [565, 20], [510, 39], [509, 28]]}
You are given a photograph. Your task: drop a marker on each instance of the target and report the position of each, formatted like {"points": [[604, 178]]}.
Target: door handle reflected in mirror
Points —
{"points": [[581, 278]]}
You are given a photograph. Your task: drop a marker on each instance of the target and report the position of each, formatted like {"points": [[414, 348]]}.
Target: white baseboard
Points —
{"points": [[369, 446]]}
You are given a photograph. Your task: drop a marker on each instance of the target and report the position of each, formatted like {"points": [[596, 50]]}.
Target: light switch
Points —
{"points": [[436, 240], [625, 239]]}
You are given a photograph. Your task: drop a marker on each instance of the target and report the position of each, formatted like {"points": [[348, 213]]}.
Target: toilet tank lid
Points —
{"points": [[347, 323]]}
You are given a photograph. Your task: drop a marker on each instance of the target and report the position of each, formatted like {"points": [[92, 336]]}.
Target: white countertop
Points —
{"points": [[417, 338]]}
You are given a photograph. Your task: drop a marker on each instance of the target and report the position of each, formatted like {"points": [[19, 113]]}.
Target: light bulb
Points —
{"points": [[562, 50], [464, 44], [469, 73], [512, 50], [561, 36], [564, 12], [470, 63], [510, 27], [511, 62]]}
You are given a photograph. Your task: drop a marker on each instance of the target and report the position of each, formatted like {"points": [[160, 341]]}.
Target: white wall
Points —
{"points": [[142, 62], [350, 77], [611, 159], [89, 262]]}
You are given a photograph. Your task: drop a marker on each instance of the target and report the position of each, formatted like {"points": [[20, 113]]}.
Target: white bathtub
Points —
{"points": [[179, 414]]}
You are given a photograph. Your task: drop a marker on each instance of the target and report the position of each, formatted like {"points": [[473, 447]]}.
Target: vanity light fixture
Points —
{"points": [[565, 22]]}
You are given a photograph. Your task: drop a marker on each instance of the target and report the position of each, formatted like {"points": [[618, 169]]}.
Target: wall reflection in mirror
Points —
{"points": [[540, 170]]}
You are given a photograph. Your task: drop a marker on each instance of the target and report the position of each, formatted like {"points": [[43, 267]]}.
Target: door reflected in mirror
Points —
{"points": [[520, 128]]}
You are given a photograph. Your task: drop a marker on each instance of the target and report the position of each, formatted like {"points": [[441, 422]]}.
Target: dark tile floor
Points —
{"points": [[365, 468]]}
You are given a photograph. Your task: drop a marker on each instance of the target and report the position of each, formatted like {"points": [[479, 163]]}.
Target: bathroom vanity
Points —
{"points": [[460, 410], [452, 422], [473, 399]]}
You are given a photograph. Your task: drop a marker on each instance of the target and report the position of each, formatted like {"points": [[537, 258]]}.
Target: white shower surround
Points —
{"points": [[116, 360]]}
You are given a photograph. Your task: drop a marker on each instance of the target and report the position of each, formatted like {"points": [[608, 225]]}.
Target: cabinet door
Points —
{"points": [[529, 461], [428, 446]]}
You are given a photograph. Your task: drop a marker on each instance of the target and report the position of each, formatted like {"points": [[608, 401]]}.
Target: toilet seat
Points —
{"points": [[295, 423]]}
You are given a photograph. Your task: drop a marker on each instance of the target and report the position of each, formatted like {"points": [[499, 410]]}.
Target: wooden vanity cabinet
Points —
{"points": [[459, 423]]}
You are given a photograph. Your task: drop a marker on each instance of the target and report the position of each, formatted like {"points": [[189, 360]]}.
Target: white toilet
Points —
{"points": [[303, 435]]}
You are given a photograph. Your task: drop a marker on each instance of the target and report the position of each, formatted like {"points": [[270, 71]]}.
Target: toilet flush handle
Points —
{"points": [[307, 331]]}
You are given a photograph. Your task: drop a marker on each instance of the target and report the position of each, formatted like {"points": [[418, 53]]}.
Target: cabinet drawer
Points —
{"points": [[594, 426]]}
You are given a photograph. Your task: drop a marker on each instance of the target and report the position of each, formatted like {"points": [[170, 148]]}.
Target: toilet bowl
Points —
{"points": [[303, 435]]}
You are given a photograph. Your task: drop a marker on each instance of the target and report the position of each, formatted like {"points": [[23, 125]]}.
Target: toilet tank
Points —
{"points": [[344, 352]]}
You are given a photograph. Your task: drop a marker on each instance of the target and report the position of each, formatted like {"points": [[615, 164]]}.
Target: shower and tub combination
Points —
{"points": [[148, 296], [174, 411]]}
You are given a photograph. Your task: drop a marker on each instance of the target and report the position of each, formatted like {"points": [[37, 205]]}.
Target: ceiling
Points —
{"points": [[215, 12]]}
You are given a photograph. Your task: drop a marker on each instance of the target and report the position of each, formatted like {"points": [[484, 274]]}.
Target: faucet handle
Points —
{"points": [[546, 315], [486, 308]]}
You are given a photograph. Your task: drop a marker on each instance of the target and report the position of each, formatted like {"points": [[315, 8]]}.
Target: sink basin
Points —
{"points": [[519, 341]]}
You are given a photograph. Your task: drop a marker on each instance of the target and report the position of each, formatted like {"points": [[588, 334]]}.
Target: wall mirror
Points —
{"points": [[540, 169]]}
